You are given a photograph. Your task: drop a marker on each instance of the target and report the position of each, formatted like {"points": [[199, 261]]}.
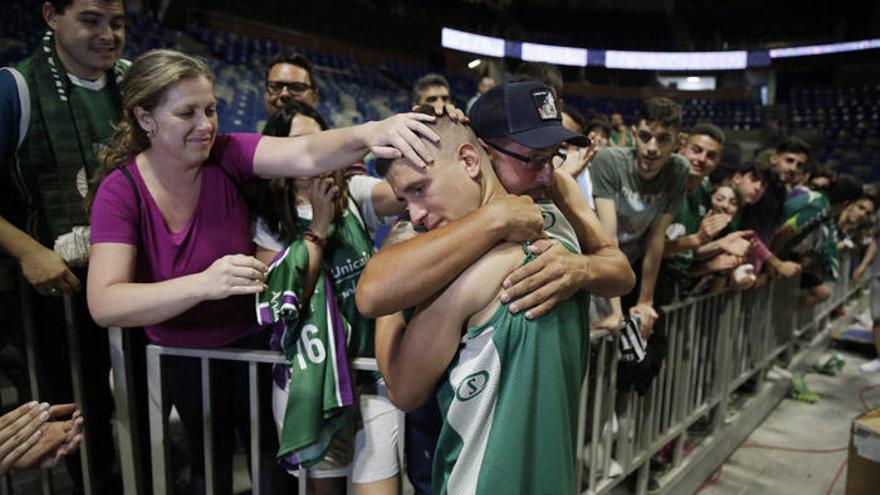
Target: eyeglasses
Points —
{"points": [[294, 88], [536, 162], [433, 98]]}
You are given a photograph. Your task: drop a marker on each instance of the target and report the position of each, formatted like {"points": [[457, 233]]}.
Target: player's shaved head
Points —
{"points": [[452, 135], [459, 180]]}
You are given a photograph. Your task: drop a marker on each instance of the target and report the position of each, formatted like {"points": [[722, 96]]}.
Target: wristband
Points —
{"points": [[315, 238]]}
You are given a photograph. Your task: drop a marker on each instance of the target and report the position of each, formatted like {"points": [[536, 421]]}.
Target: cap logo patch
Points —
{"points": [[545, 104]]}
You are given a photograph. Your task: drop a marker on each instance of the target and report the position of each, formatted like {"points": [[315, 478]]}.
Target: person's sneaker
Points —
{"points": [[872, 366]]}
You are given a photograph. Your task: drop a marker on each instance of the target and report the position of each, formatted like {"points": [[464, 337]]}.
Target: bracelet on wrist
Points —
{"points": [[315, 238]]}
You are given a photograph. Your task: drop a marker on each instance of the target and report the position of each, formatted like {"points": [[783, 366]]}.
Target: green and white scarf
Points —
{"points": [[55, 166]]}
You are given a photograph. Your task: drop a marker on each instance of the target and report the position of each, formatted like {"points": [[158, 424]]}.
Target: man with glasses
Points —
{"points": [[638, 190], [289, 78], [433, 90], [523, 143], [522, 139]]}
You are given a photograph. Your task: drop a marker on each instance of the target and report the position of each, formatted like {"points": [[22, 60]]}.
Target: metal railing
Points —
{"points": [[812, 319], [715, 344], [159, 406]]}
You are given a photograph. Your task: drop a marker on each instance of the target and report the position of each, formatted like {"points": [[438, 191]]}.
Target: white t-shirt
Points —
{"points": [[586, 185], [360, 190]]}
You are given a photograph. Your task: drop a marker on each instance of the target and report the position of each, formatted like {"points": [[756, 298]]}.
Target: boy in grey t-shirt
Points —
{"points": [[637, 191]]}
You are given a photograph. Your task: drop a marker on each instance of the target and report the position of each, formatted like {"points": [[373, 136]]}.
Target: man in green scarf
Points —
{"points": [[56, 111]]}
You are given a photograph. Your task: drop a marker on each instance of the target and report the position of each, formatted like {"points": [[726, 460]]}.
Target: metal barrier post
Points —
{"points": [[127, 426], [610, 401], [207, 426], [30, 343], [723, 360], [685, 385], [668, 375], [582, 425], [158, 423], [78, 388], [598, 432], [253, 388]]}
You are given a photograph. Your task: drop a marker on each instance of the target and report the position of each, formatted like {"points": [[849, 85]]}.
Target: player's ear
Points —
{"points": [[470, 158]]}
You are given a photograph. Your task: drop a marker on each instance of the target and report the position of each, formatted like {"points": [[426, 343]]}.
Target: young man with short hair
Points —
{"points": [[491, 364], [638, 190], [433, 90], [702, 150], [693, 225], [789, 161]]}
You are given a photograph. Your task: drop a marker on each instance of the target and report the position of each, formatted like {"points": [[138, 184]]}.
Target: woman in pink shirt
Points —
{"points": [[171, 236]]}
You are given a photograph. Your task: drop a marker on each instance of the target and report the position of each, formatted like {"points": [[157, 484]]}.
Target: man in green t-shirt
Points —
{"points": [[694, 225], [56, 111]]}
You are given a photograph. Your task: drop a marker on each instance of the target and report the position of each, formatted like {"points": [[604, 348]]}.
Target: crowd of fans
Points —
{"points": [[516, 215]]}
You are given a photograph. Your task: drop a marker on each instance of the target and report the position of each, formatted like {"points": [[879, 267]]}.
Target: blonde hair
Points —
{"points": [[145, 85]]}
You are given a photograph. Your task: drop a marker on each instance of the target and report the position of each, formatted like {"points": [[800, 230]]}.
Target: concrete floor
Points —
{"points": [[824, 425]]}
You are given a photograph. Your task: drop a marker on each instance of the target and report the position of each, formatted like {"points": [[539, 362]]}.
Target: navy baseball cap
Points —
{"points": [[524, 111]]}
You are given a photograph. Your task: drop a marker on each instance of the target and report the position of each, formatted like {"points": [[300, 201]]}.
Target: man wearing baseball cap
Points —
{"points": [[520, 126]]}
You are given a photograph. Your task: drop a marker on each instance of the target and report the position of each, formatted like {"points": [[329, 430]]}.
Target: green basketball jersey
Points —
{"points": [[557, 226], [687, 220], [316, 386], [510, 404], [313, 393]]}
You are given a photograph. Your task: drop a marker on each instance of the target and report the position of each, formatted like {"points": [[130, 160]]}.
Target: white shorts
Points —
{"points": [[376, 445]]}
